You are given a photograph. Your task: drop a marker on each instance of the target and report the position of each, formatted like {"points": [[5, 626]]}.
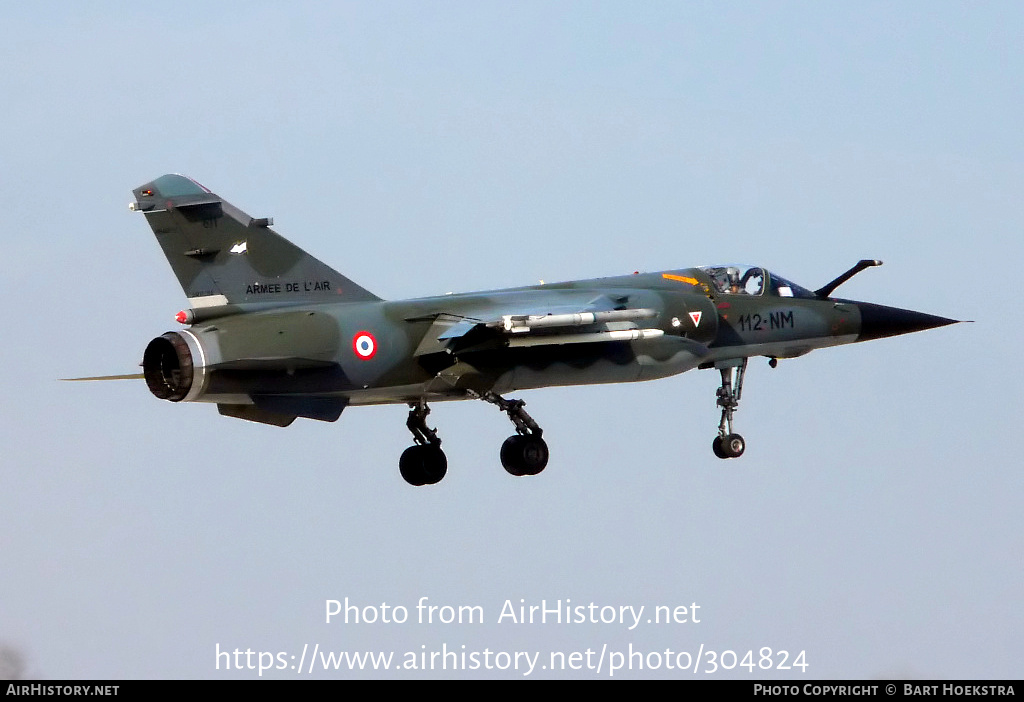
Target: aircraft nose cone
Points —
{"points": [[879, 321]]}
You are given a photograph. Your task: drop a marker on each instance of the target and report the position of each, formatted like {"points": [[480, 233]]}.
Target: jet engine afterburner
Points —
{"points": [[169, 368]]}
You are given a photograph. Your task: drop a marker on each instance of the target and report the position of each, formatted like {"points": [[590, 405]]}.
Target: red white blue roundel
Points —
{"points": [[364, 345]]}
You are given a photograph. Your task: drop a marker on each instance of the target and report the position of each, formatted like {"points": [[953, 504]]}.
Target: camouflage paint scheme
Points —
{"points": [[274, 334]]}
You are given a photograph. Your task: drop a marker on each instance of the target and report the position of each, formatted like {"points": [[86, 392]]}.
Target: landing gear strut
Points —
{"points": [[425, 462], [524, 453], [727, 444]]}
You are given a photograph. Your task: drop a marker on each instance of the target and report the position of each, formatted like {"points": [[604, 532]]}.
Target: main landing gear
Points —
{"points": [[727, 444], [424, 463], [525, 452]]}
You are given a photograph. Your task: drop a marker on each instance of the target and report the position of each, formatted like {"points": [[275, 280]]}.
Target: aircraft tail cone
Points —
{"points": [[879, 321]]}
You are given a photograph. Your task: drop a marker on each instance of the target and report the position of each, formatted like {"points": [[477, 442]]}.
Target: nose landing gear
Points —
{"points": [[728, 444]]}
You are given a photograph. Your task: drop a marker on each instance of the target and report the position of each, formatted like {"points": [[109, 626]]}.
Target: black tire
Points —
{"points": [[423, 465], [716, 446], [524, 455], [534, 454], [510, 455], [733, 446]]}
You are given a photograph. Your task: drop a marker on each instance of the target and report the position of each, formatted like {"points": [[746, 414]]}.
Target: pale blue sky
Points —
{"points": [[873, 522]]}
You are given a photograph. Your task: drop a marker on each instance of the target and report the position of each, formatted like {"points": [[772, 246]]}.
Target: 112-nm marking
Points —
{"points": [[774, 320]]}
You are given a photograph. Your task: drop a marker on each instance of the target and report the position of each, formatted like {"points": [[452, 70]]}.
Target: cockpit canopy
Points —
{"points": [[752, 280]]}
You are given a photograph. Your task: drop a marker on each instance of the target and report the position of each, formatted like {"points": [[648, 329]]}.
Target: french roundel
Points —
{"points": [[364, 345]]}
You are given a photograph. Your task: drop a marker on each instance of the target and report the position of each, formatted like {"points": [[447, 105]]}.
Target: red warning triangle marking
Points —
{"points": [[695, 316]]}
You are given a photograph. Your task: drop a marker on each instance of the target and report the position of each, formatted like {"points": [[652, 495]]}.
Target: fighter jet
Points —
{"points": [[273, 334]]}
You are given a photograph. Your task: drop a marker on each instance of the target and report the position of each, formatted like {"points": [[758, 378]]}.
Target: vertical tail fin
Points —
{"points": [[222, 256]]}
